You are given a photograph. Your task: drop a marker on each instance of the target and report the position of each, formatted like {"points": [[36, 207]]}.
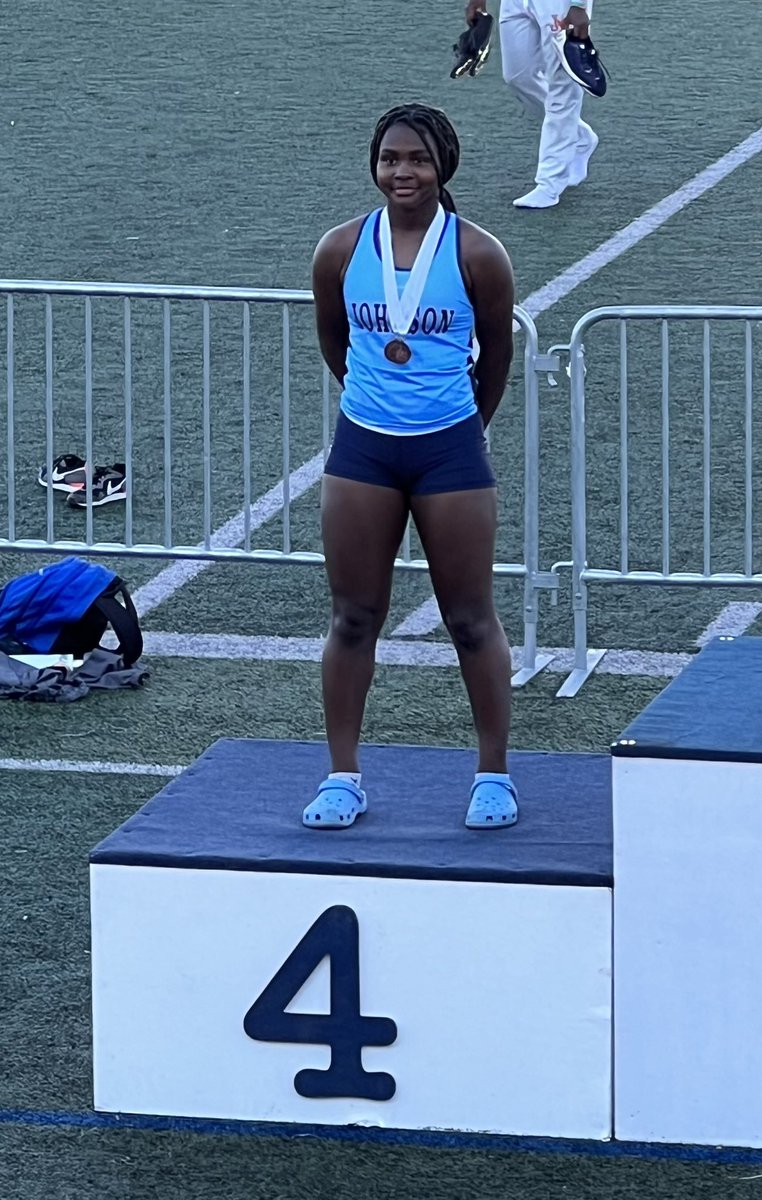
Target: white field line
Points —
{"points": [[173, 577], [393, 653], [617, 662], [90, 768], [614, 247], [421, 620], [734, 620]]}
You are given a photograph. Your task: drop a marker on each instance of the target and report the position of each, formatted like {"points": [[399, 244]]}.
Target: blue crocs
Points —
{"points": [[336, 805], [493, 803]]}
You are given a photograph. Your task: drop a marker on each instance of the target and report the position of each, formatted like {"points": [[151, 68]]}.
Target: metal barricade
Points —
{"points": [[700, 395], [233, 539]]}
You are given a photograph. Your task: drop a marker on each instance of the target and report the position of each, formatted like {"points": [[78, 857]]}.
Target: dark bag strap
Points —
{"points": [[123, 619]]}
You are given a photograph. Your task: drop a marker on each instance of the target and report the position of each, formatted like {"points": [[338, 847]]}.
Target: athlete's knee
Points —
{"points": [[470, 630], [356, 626]]}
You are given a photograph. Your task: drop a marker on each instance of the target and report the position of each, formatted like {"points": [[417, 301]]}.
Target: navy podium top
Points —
{"points": [[239, 807], [712, 710]]}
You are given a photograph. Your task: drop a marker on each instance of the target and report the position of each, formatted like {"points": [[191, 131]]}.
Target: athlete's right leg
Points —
{"points": [[562, 134], [363, 525], [567, 141]]}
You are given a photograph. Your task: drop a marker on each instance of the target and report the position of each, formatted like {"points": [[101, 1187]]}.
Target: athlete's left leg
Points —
{"points": [[566, 142], [457, 531]]}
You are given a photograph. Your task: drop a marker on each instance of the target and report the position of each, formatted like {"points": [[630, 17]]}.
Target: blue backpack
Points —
{"points": [[65, 609]]}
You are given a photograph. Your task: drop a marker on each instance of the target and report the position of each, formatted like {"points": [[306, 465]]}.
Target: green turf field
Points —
{"points": [[212, 143]]}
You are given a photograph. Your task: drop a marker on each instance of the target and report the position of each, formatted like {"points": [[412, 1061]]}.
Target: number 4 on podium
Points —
{"points": [[335, 935]]}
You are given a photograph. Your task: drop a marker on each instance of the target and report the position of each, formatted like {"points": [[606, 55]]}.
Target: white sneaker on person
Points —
{"points": [[539, 197], [586, 149]]}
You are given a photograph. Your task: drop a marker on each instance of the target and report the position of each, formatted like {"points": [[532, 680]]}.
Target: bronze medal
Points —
{"points": [[398, 352]]}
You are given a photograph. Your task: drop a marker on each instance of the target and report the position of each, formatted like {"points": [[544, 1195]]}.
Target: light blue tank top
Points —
{"points": [[435, 389]]}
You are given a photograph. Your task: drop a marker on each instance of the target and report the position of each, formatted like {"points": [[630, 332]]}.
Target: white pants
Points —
{"points": [[532, 71]]}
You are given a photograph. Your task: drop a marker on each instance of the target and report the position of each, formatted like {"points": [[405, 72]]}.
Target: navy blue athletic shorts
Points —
{"points": [[422, 464]]}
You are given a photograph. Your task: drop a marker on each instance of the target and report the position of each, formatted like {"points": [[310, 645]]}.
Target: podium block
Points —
{"points": [[687, 795], [406, 973]]}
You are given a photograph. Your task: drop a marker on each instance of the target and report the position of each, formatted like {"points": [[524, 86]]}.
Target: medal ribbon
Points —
{"points": [[401, 310]]}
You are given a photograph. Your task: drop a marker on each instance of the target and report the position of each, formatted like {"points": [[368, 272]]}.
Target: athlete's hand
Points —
{"points": [[577, 22], [473, 8]]}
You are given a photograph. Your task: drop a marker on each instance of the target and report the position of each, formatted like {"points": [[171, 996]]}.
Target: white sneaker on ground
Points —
{"points": [[589, 144], [539, 197]]}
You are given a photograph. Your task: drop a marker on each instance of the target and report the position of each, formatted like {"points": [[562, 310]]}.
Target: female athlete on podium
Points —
{"points": [[399, 296]]}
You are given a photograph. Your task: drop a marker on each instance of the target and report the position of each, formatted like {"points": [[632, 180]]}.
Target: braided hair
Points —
{"points": [[436, 132]]}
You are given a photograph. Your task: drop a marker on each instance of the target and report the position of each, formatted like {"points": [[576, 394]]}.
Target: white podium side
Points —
{"points": [[687, 794]]}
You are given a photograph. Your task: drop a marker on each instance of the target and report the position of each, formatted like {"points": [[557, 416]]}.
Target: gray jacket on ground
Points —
{"points": [[102, 669]]}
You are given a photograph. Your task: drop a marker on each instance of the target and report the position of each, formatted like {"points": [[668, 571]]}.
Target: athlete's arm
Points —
{"points": [[489, 277], [328, 266]]}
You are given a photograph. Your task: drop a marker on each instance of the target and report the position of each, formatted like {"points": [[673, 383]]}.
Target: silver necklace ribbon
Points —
{"points": [[401, 309]]}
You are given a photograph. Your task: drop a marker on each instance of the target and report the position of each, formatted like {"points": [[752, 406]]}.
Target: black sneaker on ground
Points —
{"points": [[109, 484], [68, 473]]}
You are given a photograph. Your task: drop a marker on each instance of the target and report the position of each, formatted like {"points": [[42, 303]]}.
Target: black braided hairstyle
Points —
{"points": [[436, 132]]}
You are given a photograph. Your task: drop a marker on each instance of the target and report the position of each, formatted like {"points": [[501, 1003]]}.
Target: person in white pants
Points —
{"points": [[532, 70]]}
